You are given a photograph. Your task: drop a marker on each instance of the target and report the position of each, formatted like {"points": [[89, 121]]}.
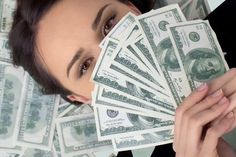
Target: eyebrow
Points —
{"points": [[74, 59], [98, 17]]}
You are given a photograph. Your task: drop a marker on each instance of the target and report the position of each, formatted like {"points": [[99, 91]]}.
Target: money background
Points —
{"points": [[30, 101]]}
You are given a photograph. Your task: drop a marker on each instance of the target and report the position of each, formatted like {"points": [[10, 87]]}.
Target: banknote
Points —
{"points": [[11, 82], [111, 123], [4, 48], [138, 141], [7, 8], [142, 47], [77, 135], [62, 101], [16, 150], [198, 51], [79, 110], [144, 71], [114, 99], [154, 26], [199, 9], [64, 109], [117, 33], [37, 118], [56, 145], [5, 154], [168, 2], [121, 65], [97, 101], [31, 152], [109, 79], [85, 155], [187, 10], [134, 67]]}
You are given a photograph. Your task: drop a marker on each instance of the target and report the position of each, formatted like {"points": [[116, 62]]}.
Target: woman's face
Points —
{"points": [[68, 37]]}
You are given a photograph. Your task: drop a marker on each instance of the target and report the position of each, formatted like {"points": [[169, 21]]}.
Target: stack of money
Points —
{"points": [[147, 66], [192, 9]]}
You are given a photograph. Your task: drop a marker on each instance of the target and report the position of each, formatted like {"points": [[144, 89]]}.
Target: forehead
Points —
{"points": [[63, 29], [65, 19]]}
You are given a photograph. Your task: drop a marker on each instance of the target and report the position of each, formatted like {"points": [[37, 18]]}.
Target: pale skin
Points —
{"points": [[67, 46]]}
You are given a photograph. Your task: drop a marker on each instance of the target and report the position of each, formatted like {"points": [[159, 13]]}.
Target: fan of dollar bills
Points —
{"points": [[147, 66]]}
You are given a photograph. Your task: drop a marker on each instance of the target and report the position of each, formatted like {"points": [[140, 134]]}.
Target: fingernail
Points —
{"points": [[202, 87], [223, 101], [230, 115], [217, 93]]}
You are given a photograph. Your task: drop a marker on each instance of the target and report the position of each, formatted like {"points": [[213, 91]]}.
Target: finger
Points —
{"points": [[192, 99], [199, 120], [214, 133], [232, 107], [226, 82], [233, 125], [205, 103]]}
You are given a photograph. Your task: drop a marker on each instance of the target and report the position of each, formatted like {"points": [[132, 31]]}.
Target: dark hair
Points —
{"points": [[22, 40]]}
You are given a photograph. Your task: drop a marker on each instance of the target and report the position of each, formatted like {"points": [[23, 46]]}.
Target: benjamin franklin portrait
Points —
{"points": [[143, 121], [203, 64], [166, 55]]}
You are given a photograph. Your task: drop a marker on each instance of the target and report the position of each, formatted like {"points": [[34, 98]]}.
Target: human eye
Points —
{"points": [[84, 67], [108, 25]]}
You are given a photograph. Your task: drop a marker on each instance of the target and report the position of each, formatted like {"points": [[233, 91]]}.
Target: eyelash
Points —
{"points": [[109, 24], [85, 66]]}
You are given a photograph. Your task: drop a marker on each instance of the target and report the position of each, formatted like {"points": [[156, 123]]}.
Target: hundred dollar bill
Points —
{"points": [[11, 83], [85, 155], [82, 109], [77, 135], [30, 152], [199, 9], [37, 119], [142, 47], [56, 146], [128, 64], [187, 10], [117, 33], [198, 51], [4, 48], [111, 123], [115, 99], [180, 2], [96, 101], [138, 141], [7, 8], [79, 110], [126, 75], [131, 64], [63, 109], [15, 150], [154, 27], [110, 79], [57, 150], [5, 154], [62, 101]]}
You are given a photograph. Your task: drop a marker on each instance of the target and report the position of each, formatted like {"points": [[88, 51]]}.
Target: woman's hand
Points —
{"points": [[227, 83], [194, 137]]}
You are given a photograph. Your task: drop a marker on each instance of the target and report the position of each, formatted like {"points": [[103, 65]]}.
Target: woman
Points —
{"points": [[57, 43]]}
